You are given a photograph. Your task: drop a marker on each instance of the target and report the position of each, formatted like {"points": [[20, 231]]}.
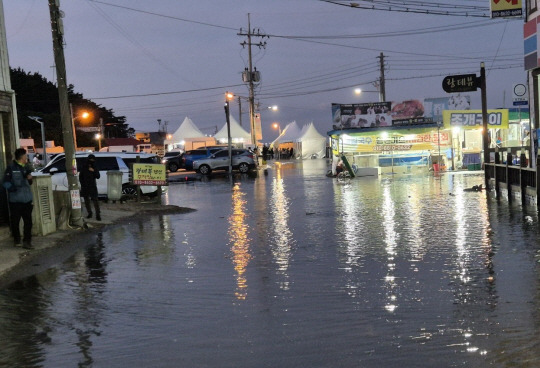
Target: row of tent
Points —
{"points": [[306, 142]]}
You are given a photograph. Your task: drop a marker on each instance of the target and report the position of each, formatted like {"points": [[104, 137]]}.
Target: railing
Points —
{"points": [[510, 176]]}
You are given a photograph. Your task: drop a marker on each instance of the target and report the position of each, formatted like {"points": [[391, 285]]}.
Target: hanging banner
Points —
{"points": [[434, 107], [506, 8], [379, 143], [472, 119]]}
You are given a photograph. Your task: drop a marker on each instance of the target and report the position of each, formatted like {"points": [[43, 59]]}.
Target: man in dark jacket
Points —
{"points": [[87, 177], [17, 181]]}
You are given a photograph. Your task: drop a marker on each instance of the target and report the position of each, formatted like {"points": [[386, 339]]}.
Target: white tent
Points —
{"points": [[288, 135], [310, 143], [238, 134], [186, 130]]}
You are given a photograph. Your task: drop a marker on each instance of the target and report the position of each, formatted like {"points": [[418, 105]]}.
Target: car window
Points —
{"points": [[223, 153], [59, 164], [106, 163], [142, 160]]}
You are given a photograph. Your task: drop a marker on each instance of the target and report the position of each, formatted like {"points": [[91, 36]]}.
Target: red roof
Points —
{"points": [[122, 142]]}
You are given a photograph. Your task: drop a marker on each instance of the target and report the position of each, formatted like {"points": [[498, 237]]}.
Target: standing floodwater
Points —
{"points": [[293, 269]]}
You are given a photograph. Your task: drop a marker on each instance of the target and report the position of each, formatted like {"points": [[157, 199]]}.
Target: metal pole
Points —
{"points": [[44, 143], [73, 126], [251, 89], [227, 116], [484, 122], [67, 131], [100, 132]]}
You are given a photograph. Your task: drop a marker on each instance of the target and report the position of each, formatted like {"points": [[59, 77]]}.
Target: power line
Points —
{"points": [[166, 93]]}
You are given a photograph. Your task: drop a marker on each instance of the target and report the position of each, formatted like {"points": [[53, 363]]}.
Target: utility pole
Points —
{"points": [[250, 75], [240, 110], [65, 115], [382, 90]]}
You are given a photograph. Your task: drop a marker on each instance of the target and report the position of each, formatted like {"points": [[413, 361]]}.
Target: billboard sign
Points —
{"points": [[506, 8], [378, 114], [434, 107], [149, 174], [472, 119], [460, 83]]}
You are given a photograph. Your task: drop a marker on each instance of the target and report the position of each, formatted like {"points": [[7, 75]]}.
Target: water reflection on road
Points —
{"points": [[293, 269]]}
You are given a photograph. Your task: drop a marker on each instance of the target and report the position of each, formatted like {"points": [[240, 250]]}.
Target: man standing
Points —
{"points": [[87, 177], [17, 181]]}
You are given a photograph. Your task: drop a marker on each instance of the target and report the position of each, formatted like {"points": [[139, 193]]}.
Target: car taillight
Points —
{"points": [[251, 157]]}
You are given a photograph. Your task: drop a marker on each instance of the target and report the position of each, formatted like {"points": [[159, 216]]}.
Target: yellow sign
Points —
{"points": [[506, 8], [390, 142], [149, 174], [472, 119]]}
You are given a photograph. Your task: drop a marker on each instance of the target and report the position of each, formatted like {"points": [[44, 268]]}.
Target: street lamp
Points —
{"points": [[37, 119], [273, 108], [84, 115], [98, 137], [277, 126]]}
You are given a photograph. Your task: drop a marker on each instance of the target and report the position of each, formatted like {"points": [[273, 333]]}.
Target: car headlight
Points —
{"points": [[163, 161]]}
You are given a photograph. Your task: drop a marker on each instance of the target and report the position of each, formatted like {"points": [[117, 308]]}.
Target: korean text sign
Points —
{"points": [[472, 119], [149, 174]]}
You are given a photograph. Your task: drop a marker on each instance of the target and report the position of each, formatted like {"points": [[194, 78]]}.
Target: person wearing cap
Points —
{"points": [[17, 181], [87, 177]]}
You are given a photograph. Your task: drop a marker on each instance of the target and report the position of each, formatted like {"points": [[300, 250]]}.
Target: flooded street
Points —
{"points": [[293, 269]]}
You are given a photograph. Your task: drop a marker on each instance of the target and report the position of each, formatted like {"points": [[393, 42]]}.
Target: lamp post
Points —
{"points": [[84, 115], [37, 119], [277, 126], [229, 96], [98, 137]]}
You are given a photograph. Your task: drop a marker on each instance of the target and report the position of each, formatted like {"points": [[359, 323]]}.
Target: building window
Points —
{"points": [[532, 6]]}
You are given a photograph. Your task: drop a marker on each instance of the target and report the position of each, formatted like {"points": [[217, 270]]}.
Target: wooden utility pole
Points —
{"points": [[382, 87], [485, 135], [65, 114], [251, 75]]}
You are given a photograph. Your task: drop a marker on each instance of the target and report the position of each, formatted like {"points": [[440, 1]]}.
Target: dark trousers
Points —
{"points": [[18, 211], [89, 208]]}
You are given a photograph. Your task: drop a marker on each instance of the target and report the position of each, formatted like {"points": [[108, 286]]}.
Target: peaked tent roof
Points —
{"points": [[186, 130], [310, 132], [289, 134], [237, 131]]}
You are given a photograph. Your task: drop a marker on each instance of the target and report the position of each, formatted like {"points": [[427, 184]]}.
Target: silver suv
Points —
{"points": [[243, 160]]}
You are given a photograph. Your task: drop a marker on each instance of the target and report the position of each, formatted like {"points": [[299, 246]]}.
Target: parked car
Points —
{"points": [[196, 154], [242, 160], [173, 160], [105, 161]]}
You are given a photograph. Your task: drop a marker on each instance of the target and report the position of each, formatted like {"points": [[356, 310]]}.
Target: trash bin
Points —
{"points": [[114, 185]]}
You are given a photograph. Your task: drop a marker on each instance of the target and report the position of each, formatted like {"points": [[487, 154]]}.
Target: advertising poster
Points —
{"points": [[149, 174], [472, 119], [375, 143], [75, 199], [434, 107], [506, 8], [408, 112], [365, 115]]}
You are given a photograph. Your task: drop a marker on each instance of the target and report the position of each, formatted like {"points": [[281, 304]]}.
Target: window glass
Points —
{"points": [[59, 164], [221, 154], [106, 163]]}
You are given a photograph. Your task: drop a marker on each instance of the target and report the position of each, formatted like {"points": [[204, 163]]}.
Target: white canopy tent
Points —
{"points": [[187, 130], [238, 134], [288, 135], [310, 143]]}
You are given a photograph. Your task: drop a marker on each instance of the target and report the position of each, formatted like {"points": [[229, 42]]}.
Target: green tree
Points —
{"points": [[36, 96]]}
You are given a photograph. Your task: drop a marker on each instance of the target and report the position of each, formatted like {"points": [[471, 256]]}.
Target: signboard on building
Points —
{"points": [[375, 142], [460, 83], [434, 107], [379, 114], [89, 129], [149, 174], [506, 8], [472, 119]]}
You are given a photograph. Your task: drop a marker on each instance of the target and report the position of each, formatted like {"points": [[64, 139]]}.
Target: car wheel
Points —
{"points": [[129, 190], [173, 167], [243, 168], [204, 169]]}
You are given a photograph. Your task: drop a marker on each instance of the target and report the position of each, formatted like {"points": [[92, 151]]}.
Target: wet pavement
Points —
{"points": [[292, 269]]}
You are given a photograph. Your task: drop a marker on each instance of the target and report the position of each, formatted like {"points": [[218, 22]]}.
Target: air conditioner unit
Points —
{"points": [[43, 216]]}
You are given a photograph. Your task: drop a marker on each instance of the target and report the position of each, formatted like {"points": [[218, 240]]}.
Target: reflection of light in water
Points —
{"points": [[390, 239], [238, 236], [279, 212], [415, 243]]}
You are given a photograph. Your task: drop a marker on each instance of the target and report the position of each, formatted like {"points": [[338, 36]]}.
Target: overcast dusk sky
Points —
{"points": [[166, 49]]}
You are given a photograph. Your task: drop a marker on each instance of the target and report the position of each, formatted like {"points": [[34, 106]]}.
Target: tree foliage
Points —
{"points": [[36, 96]]}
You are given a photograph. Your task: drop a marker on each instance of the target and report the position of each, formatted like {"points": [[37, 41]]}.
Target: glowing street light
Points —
{"points": [[273, 108], [357, 91], [98, 137], [276, 125]]}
